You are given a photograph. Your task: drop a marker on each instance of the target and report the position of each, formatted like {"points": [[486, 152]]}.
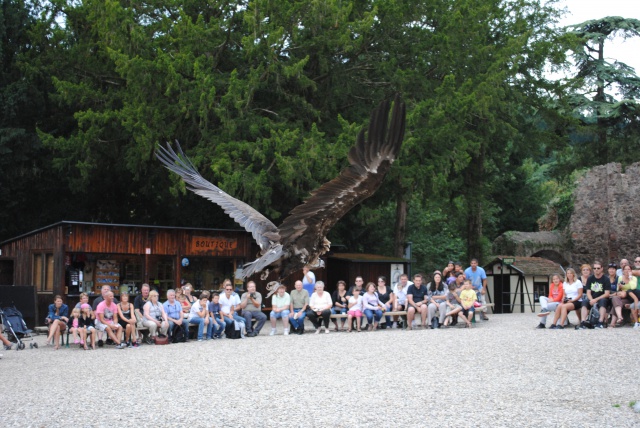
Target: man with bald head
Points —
{"points": [[251, 305], [298, 309]]}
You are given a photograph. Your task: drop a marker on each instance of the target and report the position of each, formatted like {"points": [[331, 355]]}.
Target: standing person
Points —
{"points": [[416, 302], [155, 318], [280, 308], [298, 310], [308, 280], [437, 297], [598, 290], [251, 305], [173, 309], [478, 278], [107, 320], [320, 307], [127, 319], [373, 307], [551, 303], [340, 303]]}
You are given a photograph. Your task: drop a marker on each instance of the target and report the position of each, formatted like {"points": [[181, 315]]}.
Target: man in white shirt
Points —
{"points": [[229, 301]]}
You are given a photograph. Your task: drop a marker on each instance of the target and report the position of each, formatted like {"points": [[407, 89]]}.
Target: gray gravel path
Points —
{"points": [[500, 373]]}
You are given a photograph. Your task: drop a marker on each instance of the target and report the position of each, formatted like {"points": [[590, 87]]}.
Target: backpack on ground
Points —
{"points": [[435, 323], [232, 331], [593, 318], [177, 334]]}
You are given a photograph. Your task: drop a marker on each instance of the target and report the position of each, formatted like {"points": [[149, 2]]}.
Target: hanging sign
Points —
{"points": [[208, 244]]}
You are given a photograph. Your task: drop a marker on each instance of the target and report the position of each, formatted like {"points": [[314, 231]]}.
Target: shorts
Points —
{"points": [[578, 304], [402, 306], [355, 313], [103, 327], [455, 306], [278, 315], [602, 303], [466, 312]]}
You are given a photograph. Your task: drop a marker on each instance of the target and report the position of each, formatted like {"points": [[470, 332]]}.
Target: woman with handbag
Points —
{"points": [[155, 318]]}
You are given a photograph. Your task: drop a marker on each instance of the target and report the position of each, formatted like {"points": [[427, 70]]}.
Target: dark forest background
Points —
{"points": [[267, 96]]}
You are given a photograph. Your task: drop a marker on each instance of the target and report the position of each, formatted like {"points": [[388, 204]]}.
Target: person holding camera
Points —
{"points": [[251, 305], [155, 318]]}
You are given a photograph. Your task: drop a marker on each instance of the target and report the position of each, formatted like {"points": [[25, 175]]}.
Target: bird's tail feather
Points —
{"points": [[271, 256]]}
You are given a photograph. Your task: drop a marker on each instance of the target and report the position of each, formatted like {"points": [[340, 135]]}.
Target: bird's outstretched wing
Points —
{"points": [[263, 231], [370, 160]]}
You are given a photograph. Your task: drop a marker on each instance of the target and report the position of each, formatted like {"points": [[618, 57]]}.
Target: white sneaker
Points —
{"points": [[286, 332], [414, 324], [326, 330], [273, 332], [318, 330], [636, 326], [394, 325]]}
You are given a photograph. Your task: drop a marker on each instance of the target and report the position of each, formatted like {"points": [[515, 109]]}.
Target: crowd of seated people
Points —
{"points": [[450, 296], [598, 298]]}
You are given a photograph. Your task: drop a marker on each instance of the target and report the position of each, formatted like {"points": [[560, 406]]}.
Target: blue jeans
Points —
{"points": [[297, 323], [200, 322], [217, 331], [370, 313], [388, 319]]}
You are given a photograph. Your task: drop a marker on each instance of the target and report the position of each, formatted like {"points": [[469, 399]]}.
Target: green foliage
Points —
{"points": [[605, 94]]}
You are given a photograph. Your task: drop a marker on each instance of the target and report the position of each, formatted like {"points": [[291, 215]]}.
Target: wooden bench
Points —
{"points": [[404, 313]]}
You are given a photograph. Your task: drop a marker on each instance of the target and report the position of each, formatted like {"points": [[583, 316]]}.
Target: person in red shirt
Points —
{"points": [[551, 303]]}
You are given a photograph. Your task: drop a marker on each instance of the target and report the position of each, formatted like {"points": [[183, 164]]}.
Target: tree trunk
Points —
{"points": [[400, 228], [474, 189]]}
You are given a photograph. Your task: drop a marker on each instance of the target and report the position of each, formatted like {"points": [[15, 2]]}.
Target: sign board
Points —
{"points": [[208, 244], [508, 260]]}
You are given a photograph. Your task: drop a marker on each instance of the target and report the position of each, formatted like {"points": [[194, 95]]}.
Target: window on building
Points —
{"points": [[43, 271]]}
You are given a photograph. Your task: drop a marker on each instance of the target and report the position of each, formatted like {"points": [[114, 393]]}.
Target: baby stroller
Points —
{"points": [[16, 328]]}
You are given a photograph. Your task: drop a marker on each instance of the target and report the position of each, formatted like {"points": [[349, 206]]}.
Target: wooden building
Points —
{"points": [[346, 266], [515, 283], [68, 258]]}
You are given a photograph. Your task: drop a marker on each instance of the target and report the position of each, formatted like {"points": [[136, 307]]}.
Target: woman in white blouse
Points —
{"points": [[320, 305]]}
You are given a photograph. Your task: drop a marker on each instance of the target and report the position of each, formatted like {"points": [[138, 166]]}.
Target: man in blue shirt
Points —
{"points": [[173, 309], [478, 278]]}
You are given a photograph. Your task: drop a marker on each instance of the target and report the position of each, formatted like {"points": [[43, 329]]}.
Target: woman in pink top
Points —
{"points": [[551, 303]]}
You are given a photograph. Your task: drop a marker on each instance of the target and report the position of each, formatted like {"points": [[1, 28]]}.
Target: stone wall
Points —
{"points": [[605, 224]]}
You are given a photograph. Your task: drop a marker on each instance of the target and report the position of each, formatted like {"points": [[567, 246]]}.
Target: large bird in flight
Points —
{"points": [[301, 238]]}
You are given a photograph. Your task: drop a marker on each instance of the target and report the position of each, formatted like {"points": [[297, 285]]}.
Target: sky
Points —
{"points": [[583, 10]]}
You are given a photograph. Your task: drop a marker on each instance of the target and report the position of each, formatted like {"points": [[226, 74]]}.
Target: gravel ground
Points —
{"points": [[500, 373]]}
